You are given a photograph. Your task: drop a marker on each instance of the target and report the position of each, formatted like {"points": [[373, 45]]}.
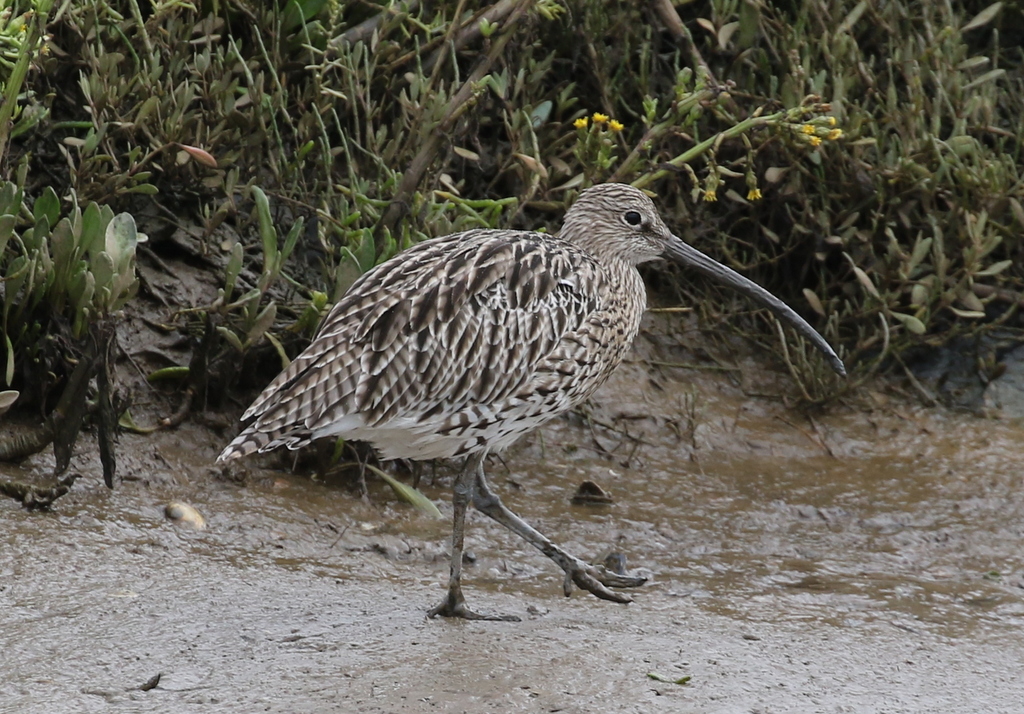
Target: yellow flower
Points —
{"points": [[580, 123], [814, 140], [616, 125], [754, 194], [711, 195], [835, 134], [831, 121], [600, 118], [808, 128]]}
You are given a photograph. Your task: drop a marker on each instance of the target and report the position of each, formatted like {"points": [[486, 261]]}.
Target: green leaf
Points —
{"points": [[263, 322], [7, 400], [147, 108], [408, 494], [304, 150], [35, 235], [968, 314], [103, 271], [390, 247], [910, 322], [366, 254], [124, 292], [234, 267], [6, 231], [10, 199], [995, 268], [922, 247], [918, 294], [120, 241], [268, 234], [250, 296], [9, 370], [814, 301], [662, 678], [310, 316], [144, 189], [230, 337], [44, 260], [984, 17], [94, 224], [30, 116], [290, 240], [167, 374], [851, 19], [299, 12], [47, 206], [92, 137], [81, 288], [280, 350], [750, 24], [29, 281], [63, 247], [865, 281], [103, 299], [540, 115], [127, 423], [17, 274], [987, 77], [81, 320]]}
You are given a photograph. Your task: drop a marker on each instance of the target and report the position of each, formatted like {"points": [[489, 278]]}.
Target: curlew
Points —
{"points": [[461, 344]]}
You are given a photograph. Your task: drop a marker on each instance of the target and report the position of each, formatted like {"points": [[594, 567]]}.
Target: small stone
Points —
{"points": [[590, 494], [184, 513]]}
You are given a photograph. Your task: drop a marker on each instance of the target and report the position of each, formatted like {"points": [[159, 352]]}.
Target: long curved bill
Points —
{"points": [[689, 256]]}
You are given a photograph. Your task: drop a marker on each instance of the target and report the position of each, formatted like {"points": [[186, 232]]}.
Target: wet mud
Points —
{"points": [[865, 559]]}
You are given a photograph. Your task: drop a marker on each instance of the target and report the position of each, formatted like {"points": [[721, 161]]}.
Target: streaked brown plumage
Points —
{"points": [[461, 344]]}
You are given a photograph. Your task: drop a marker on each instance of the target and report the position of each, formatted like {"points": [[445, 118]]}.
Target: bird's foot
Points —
{"points": [[596, 579], [613, 572], [454, 605]]}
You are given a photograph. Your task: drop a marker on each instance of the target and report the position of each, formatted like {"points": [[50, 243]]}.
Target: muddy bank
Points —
{"points": [[864, 560]]}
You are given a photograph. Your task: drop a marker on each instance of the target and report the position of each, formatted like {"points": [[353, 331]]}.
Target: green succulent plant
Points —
{"points": [[63, 277], [78, 266], [256, 321]]}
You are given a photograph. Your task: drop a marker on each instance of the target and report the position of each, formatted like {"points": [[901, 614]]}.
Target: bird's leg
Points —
{"points": [[454, 603], [586, 576]]}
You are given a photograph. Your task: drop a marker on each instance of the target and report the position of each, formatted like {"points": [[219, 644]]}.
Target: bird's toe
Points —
{"points": [[588, 578], [456, 607]]}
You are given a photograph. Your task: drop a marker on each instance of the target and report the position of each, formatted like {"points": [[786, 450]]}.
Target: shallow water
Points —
{"points": [[868, 560]]}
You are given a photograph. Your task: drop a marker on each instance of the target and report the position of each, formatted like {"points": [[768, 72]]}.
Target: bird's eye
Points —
{"points": [[632, 218]]}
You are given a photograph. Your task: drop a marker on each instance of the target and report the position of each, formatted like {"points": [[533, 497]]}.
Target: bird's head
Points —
{"points": [[616, 221]]}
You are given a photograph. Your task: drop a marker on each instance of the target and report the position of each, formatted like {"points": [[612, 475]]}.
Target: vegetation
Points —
{"points": [[862, 160]]}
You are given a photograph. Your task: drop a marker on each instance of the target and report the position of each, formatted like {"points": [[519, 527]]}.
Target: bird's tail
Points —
{"points": [[248, 442], [251, 440]]}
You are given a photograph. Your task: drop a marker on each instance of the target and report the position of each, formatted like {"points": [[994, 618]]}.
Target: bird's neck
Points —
{"points": [[625, 290]]}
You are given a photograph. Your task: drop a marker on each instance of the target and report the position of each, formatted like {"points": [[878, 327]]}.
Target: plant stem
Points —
{"points": [[702, 147], [13, 88], [461, 101], [137, 14], [659, 130]]}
